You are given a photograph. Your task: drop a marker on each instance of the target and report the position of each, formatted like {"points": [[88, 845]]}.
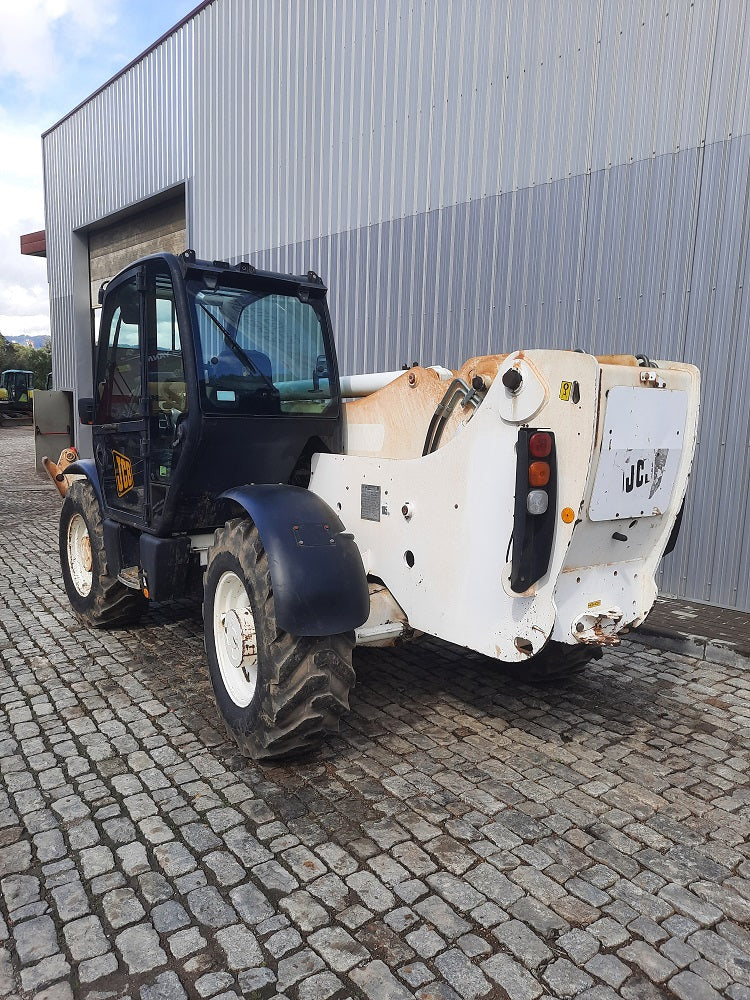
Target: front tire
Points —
{"points": [[97, 597], [278, 694]]}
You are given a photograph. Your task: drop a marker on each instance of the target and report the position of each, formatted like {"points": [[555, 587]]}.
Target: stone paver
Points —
{"points": [[337, 948], [208, 907], [512, 977], [140, 949], [35, 939], [86, 938], [465, 836], [240, 947], [522, 942]]}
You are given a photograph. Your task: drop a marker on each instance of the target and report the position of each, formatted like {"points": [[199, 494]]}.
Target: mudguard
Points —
{"points": [[318, 578], [87, 467]]}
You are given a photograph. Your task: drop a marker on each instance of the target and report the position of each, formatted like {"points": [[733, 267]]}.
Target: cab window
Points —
{"points": [[166, 375], [260, 352], [167, 389], [119, 377]]}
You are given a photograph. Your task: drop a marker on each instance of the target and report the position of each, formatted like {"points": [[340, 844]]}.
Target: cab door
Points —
{"points": [[167, 394], [120, 426]]}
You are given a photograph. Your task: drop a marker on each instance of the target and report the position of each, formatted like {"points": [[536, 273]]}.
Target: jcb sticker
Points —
{"points": [[565, 388], [636, 478], [594, 604], [123, 473]]}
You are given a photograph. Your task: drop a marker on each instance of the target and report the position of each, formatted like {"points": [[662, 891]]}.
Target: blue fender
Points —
{"points": [[87, 467], [318, 578]]}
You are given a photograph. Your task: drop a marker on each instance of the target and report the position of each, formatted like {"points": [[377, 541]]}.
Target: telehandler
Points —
{"points": [[518, 506]]}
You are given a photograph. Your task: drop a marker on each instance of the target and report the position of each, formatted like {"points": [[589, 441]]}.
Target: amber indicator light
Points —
{"points": [[538, 474]]}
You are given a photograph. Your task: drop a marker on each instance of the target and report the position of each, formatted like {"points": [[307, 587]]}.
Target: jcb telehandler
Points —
{"points": [[518, 507]]}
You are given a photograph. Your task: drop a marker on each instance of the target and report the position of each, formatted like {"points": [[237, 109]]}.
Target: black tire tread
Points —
{"points": [[558, 661], [113, 603], [308, 678]]}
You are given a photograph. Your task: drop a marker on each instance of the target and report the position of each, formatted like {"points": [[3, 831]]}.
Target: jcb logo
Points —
{"points": [[123, 473], [637, 477]]}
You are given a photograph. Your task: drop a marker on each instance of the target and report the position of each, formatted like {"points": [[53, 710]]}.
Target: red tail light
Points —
{"points": [[540, 444], [534, 513]]}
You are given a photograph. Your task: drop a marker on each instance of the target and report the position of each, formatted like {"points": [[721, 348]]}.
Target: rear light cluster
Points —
{"points": [[540, 448], [533, 520]]}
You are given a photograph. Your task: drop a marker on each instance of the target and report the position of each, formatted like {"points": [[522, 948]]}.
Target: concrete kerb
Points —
{"points": [[686, 644]]}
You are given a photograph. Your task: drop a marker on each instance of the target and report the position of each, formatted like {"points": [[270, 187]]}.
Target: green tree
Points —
{"points": [[36, 360]]}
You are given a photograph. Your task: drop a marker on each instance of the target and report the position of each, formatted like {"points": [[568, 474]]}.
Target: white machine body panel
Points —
{"points": [[608, 580], [437, 530], [642, 439]]}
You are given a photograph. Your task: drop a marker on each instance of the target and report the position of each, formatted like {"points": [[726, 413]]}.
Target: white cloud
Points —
{"points": [[20, 166], [23, 280], [37, 35], [52, 54], [40, 43], [25, 297], [28, 326]]}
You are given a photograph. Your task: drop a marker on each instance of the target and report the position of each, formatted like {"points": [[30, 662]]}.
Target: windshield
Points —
{"points": [[259, 352]]}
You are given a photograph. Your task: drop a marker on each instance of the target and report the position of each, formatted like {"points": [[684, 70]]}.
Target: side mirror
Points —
{"points": [[86, 410]]}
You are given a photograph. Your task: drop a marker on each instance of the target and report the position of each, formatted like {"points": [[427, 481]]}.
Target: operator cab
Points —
{"points": [[16, 385], [208, 377]]}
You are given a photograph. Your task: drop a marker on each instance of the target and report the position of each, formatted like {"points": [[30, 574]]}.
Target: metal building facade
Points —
{"points": [[468, 177]]}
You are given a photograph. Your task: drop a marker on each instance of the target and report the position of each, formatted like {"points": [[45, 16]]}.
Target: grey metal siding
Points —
{"points": [[128, 143], [717, 336], [467, 177], [632, 240]]}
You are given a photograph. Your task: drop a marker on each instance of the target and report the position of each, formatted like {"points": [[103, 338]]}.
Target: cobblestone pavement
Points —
{"points": [[465, 836]]}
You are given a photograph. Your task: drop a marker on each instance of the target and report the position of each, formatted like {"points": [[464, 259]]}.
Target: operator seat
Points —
{"points": [[251, 391], [228, 363]]}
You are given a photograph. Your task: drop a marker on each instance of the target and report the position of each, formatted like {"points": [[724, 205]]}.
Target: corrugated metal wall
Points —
{"points": [[468, 177], [130, 142]]}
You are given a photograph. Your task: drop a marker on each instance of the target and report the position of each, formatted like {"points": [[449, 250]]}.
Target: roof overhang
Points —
{"points": [[34, 244]]}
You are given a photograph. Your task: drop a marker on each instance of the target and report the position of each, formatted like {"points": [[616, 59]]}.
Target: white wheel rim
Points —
{"points": [[79, 555], [235, 639]]}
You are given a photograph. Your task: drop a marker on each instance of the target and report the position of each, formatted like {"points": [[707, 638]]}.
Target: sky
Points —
{"points": [[53, 54]]}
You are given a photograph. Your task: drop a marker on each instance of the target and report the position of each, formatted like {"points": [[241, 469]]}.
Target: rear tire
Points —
{"points": [[278, 694], [97, 597], [558, 661]]}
